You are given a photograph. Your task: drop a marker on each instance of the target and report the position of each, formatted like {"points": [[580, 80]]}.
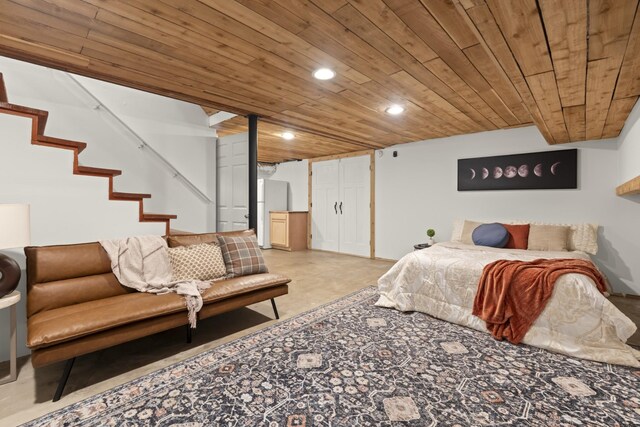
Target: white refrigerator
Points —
{"points": [[272, 196]]}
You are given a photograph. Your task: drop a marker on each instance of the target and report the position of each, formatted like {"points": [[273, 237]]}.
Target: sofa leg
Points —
{"points": [[63, 380], [189, 334], [275, 309]]}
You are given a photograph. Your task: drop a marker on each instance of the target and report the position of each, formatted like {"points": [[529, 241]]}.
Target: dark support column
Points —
{"points": [[253, 171]]}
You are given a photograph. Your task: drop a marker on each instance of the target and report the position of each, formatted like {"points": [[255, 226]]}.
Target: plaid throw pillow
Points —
{"points": [[198, 262], [242, 255]]}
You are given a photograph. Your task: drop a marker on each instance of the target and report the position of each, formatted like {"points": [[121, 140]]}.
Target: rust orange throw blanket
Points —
{"points": [[512, 294]]}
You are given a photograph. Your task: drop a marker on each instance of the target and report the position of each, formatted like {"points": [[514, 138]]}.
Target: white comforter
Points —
{"points": [[577, 321]]}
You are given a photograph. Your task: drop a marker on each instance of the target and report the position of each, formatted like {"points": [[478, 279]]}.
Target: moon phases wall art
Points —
{"points": [[543, 170]]}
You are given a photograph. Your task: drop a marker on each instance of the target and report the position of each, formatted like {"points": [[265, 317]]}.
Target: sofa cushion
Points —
{"points": [[242, 255], [78, 320], [61, 262], [62, 293], [196, 239], [240, 285], [67, 323], [197, 262]]}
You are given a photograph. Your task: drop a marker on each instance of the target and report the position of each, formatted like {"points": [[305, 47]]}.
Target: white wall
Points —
{"points": [[296, 173], [630, 147], [67, 208], [177, 130], [418, 190]]}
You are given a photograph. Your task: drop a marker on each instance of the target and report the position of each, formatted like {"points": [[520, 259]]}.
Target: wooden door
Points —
{"points": [[325, 222], [354, 206], [233, 183]]}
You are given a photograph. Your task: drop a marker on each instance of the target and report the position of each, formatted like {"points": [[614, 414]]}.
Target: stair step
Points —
{"points": [[3, 90], [157, 217], [27, 111], [62, 143], [40, 117], [88, 170], [128, 196]]}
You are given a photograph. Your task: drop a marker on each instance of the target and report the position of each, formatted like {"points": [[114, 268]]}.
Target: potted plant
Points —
{"points": [[431, 232]]}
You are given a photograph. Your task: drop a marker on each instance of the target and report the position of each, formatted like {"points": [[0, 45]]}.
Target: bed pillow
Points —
{"points": [[548, 238], [242, 255], [518, 236], [584, 237], [467, 230], [494, 235], [197, 262]]}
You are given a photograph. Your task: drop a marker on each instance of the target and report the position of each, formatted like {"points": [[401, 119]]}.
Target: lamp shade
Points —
{"points": [[15, 231]]}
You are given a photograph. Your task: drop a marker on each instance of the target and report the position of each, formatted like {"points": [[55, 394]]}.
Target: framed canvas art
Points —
{"points": [[556, 169]]}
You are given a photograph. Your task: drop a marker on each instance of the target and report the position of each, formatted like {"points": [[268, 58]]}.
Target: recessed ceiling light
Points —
{"points": [[324, 74], [288, 135], [395, 109]]}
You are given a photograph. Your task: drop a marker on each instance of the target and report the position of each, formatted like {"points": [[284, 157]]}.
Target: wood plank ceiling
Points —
{"points": [[571, 67]]}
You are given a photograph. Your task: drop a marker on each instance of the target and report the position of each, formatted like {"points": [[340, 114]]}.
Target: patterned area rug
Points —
{"points": [[350, 363]]}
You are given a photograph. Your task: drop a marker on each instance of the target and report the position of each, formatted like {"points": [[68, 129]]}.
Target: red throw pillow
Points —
{"points": [[518, 236]]}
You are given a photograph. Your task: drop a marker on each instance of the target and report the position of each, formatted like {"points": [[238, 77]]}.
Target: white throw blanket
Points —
{"points": [[142, 263]]}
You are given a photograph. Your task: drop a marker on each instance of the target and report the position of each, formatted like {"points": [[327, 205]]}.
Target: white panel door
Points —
{"points": [[354, 206], [233, 184], [325, 224]]}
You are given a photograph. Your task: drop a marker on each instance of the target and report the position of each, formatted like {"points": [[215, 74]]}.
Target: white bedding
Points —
{"points": [[578, 320]]}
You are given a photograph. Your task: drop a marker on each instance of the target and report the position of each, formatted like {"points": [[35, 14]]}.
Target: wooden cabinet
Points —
{"points": [[288, 230]]}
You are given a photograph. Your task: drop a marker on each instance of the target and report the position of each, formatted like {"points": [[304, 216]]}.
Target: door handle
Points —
{"points": [[335, 207], [246, 216], [340, 208]]}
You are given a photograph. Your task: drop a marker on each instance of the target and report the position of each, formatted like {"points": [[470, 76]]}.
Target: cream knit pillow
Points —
{"points": [[548, 238], [197, 262]]}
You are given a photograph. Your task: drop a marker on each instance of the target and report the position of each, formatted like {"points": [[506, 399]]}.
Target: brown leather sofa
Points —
{"points": [[75, 304]]}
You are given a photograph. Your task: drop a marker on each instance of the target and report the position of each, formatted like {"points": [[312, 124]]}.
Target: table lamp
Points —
{"points": [[14, 233]]}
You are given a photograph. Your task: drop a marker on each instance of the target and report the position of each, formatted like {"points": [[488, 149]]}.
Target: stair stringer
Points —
{"points": [[38, 126]]}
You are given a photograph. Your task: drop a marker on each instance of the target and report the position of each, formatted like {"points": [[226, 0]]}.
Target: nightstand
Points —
{"points": [[421, 246]]}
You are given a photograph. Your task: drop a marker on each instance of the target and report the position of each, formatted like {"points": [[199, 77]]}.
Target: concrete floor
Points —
{"points": [[317, 278]]}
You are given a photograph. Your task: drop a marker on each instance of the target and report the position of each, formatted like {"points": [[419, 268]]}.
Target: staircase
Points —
{"points": [[39, 122]]}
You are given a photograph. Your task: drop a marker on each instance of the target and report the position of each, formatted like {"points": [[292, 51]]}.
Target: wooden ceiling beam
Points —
{"points": [[458, 66], [565, 24], [478, 16]]}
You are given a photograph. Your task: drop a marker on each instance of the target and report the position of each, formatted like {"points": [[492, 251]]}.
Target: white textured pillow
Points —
{"points": [[456, 233], [462, 230], [584, 238]]}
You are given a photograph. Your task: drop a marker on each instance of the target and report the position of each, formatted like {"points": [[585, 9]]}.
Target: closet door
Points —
{"points": [[325, 222], [354, 208]]}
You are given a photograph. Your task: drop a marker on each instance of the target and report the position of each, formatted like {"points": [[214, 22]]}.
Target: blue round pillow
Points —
{"points": [[494, 235]]}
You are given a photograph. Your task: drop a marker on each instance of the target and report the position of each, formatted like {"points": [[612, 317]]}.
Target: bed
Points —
{"points": [[578, 320]]}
